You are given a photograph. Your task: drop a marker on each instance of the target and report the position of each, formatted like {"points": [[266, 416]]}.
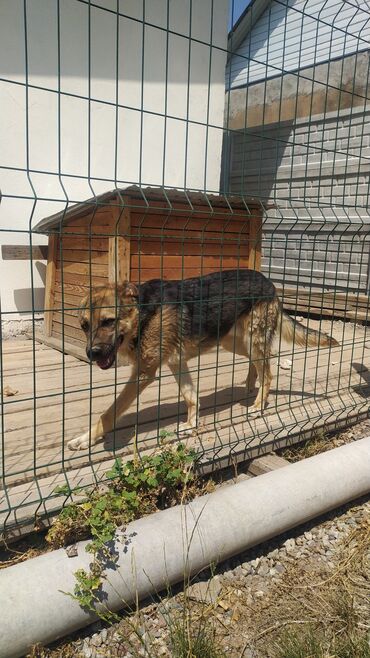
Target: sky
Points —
{"points": [[236, 9]]}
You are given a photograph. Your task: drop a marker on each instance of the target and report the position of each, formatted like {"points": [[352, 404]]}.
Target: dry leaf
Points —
{"points": [[8, 391], [72, 551]]}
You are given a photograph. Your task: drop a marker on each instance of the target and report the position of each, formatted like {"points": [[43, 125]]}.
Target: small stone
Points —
{"points": [[205, 592], [96, 640], [87, 651], [263, 570], [161, 620], [248, 653], [333, 534], [248, 569], [239, 572], [279, 567], [260, 593], [104, 634]]}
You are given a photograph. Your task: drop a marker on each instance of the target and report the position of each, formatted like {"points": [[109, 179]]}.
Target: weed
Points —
{"points": [[135, 488], [189, 641], [352, 647], [311, 644], [300, 645], [314, 446]]}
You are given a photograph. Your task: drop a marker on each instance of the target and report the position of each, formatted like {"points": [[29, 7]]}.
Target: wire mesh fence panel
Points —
{"points": [[184, 233]]}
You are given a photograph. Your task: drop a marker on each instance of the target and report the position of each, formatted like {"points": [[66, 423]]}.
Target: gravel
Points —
{"points": [[249, 576]]}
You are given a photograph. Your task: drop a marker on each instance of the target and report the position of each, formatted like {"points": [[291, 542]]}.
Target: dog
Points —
{"points": [[169, 322]]}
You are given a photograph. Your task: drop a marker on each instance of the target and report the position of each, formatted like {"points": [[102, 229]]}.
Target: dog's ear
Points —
{"points": [[83, 305], [131, 290], [128, 291]]}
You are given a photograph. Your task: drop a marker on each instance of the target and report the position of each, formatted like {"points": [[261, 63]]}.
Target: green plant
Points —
{"points": [[135, 488]]}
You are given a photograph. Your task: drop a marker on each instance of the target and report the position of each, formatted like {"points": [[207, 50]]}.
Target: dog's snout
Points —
{"points": [[93, 353]]}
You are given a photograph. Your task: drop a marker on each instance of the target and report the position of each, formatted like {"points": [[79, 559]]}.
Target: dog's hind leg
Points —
{"points": [[250, 382], [261, 361], [260, 328], [136, 384], [183, 378]]}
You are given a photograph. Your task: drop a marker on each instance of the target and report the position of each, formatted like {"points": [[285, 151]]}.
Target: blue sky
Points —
{"points": [[236, 9]]}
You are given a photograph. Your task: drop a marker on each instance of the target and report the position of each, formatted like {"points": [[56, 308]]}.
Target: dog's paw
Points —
{"points": [[254, 411], [185, 429], [80, 443]]}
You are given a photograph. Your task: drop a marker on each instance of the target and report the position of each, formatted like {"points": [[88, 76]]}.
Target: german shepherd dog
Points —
{"points": [[169, 322]]}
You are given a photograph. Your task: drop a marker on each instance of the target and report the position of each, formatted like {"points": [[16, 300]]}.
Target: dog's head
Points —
{"points": [[108, 315]]}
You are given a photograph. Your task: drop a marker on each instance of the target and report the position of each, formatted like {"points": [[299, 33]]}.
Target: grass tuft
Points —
{"points": [[311, 643]]}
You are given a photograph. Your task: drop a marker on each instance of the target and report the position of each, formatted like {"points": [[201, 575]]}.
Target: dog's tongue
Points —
{"points": [[106, 362]]}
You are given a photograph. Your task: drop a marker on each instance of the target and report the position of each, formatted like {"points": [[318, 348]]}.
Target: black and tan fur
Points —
{"points": [[169, 322]]}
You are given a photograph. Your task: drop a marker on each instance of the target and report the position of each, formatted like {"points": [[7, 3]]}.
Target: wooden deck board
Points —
{"points": [[322, 389]]}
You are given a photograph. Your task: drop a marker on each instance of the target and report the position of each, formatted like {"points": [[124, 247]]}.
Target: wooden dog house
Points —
{"points": [[139, 234]]}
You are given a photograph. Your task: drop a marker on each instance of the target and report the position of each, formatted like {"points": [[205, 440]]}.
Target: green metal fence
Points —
{"points": [[172, 140]]}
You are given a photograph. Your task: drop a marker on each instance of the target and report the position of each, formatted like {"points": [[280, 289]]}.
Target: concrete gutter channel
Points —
{"points": [[156, 551]]}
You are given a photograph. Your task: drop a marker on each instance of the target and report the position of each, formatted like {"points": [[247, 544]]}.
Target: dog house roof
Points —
{"points": [[138, 197]]}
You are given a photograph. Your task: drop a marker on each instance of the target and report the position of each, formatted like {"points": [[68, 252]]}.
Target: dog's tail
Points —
{"points": [[295, 332]]}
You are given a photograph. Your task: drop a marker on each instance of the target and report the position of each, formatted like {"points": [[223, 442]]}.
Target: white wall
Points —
{"points": [[293, 34], [121, 145]]}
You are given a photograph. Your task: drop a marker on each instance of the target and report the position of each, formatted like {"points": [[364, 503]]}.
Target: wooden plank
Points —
{"points": [[75, 289], [102, 231], [69, 332], [189, 232], [329, 294], [118, 271], [68, 319], [50, 283], [175, 274], [119, 245], [84, 243], [24, 252], [80, 474], [224, 430], [176, 225], [96, 269], [56, 343], [85, 256], [96, 217], [67, 301], [189, 247], [255, 245], [266, 463], [157, 263], [80, 280], [350, 306]]}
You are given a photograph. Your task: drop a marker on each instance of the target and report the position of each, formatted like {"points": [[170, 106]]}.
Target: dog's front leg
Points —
{"points": [[137, 382]]}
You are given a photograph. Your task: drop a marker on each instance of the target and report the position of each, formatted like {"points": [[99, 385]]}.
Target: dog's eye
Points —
{"points": [[85, 326], [108, 322]]}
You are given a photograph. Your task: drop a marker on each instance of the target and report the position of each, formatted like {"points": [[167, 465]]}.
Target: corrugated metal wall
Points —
{"points": [[289, 36], [302, 140]]}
